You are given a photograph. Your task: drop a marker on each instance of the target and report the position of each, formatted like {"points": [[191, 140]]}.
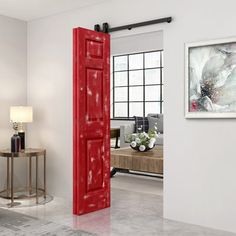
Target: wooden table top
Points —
{"points": [[156, 152], [28, 152], [114, 132], [116, 128]]}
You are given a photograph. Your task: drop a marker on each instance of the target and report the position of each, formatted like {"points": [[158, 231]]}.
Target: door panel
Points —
{"points": [[91, 124]]}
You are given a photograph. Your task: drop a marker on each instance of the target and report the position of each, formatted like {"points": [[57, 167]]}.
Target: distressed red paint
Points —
{"points": [[91, 121]]}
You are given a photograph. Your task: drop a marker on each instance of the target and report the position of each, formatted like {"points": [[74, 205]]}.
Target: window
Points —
{"points": [[137, 84]]}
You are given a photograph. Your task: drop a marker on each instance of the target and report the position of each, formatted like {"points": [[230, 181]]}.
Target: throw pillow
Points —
{"points": [[158, 122], [152, 122], [141, 122], [153, 115]]}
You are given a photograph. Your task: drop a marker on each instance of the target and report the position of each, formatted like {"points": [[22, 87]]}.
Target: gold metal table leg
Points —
{"points": [[44, 175], [30, 176], [12, 181], [37, 200], [8, 177]]}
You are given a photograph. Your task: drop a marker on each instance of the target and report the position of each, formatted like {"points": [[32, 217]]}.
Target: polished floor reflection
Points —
{"points": [[136, 210]]}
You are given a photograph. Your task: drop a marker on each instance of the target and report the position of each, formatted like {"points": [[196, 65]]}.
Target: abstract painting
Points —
{"points": [[210, 73]]}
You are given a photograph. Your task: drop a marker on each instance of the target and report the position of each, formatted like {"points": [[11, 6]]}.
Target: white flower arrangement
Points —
{"points": [[143, 141]]}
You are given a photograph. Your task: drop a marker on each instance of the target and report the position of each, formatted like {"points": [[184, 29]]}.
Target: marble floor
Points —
{"points": [[136, 210]]}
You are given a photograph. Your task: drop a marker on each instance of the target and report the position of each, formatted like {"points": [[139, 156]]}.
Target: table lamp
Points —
{"points": [[20, 115]]}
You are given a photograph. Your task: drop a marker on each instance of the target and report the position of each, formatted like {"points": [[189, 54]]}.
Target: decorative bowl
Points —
{"points": [[146, 148]]}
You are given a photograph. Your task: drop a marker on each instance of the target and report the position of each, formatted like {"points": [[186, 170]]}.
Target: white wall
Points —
{"points": [[13, 75], [199, 154], [135, 43]]}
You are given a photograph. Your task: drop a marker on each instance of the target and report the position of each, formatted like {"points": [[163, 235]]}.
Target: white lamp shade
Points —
{"points": [[22, 114]]}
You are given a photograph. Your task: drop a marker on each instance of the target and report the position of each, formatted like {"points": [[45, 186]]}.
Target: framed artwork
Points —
{"points": [[210, 74]]}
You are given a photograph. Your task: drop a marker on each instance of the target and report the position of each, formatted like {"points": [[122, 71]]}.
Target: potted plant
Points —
{"points": [[143, 141]]}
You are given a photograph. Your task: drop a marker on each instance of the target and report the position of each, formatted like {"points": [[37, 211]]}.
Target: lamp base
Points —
{"points": [[22, 139], [15, 143]]}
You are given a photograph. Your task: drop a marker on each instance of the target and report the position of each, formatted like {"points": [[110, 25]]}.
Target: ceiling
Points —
{"points": [[32, 9]]}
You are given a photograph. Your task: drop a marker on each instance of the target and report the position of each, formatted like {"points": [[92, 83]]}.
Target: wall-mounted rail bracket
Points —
{"points": [[107, 29]]}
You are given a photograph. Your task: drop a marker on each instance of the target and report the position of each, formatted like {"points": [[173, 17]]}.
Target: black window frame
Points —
{"points": [[161, 67]]}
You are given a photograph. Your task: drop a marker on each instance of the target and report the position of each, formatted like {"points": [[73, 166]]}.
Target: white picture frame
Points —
{"points": [[203, 114]]}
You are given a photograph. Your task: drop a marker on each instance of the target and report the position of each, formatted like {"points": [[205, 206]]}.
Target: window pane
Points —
{"points": [[136, 93], [120, 63], [136, 61], [135, 109], [152, 93], [111, 89], [121, 110], [111, 102], [121, 94], [111, 111], [152, 59], [121, 78], [152, 107], [152, 76], [162, 75], [162, 59], [136, 77], [162, 91]]}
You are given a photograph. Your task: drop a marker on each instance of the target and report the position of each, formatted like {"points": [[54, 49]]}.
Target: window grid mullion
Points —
{"points": [[138, 101], [138, 85], [148, 68]]}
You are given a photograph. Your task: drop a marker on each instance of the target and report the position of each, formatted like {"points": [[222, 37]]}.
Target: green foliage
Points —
{"points": [[142, 138]]}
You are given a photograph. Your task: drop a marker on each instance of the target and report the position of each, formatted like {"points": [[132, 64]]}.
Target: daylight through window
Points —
{"points": [[137, 84]]}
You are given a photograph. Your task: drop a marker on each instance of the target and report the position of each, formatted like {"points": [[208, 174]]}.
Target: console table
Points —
{"points": [[29, 153], [115, 133]]}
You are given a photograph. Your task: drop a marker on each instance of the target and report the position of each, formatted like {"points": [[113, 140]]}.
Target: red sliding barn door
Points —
{"points": [[91, 106]]}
